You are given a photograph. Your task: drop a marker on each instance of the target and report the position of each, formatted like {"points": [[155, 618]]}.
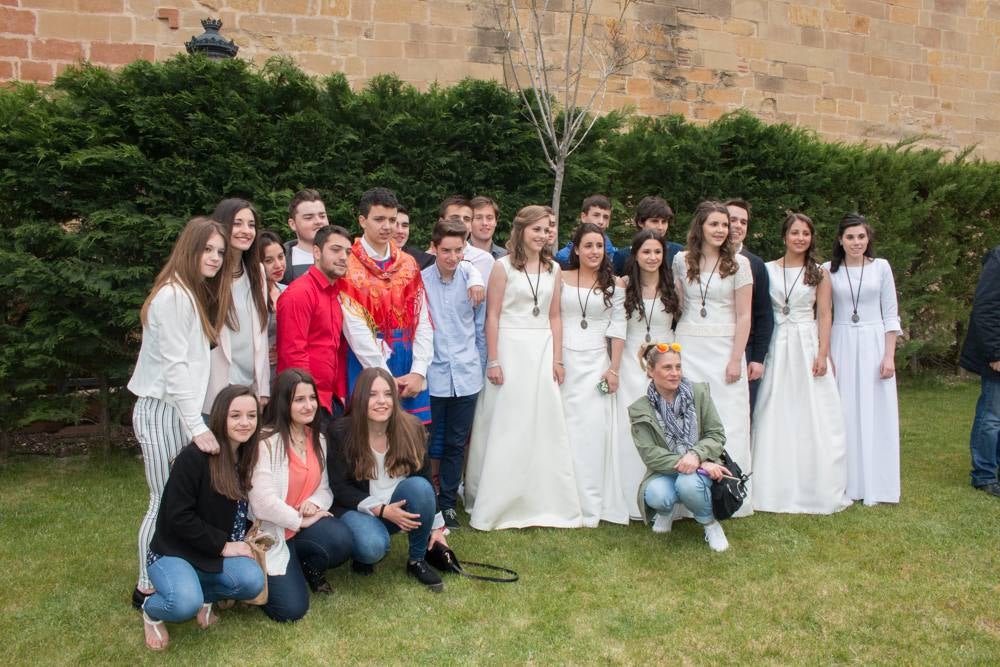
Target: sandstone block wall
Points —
{"points": [[854, 70]]}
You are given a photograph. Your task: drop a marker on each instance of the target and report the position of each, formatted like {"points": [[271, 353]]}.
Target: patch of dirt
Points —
{"points": [[70, 441]]}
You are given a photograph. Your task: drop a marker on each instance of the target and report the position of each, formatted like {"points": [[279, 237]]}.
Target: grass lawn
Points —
{"points": [[917, 583]]}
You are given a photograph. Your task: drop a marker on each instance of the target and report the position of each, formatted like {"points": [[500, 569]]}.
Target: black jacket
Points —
{"points": [[982, 343], [348, 492], [291, 272], [424, 259], [194, 522], [761, 315]]}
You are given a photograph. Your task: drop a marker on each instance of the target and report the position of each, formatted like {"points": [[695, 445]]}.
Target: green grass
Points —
{"points": [[917, 583]]}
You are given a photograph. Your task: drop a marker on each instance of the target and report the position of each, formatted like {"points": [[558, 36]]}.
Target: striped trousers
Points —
{"points": [[162, 435]]}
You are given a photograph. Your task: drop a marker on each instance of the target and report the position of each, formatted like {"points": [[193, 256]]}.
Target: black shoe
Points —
{"points": [[317, 581], [425, 575], [993, 488], [451, 519], [364, 569], [138, 597]]}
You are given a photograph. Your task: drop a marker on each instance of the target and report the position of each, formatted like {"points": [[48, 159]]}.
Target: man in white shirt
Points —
{"points": [[459, 208], [306, 216], [485, 213]]}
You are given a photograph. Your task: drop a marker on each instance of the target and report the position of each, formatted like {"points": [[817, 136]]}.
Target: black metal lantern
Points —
{"points": [[211, 43]]}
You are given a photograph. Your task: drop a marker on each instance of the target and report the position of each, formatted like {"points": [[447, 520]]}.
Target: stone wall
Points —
{"points": [[852, 69]]}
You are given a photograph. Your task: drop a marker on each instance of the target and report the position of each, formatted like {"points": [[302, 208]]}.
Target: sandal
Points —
{"points": [[155, 640], [209, 619]]}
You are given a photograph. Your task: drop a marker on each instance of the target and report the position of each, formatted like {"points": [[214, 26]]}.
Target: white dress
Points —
{"points": [[706, 345], [632, 385], [871, 414], [520, 468], [799, 452], [591, 417]]}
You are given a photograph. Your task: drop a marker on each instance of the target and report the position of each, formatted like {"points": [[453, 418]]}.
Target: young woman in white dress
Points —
{"points": [[717, 286], [520, 467], [863, 349], [799, 457], [650, 307], [592, 301]]}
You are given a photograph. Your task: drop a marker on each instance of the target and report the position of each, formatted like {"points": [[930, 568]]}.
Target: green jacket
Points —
{"points": [[651, 441]]}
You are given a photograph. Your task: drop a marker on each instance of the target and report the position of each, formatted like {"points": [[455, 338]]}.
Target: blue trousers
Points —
{"points": [[691, 489], [371, 534], [181, 588], [984, 441], [451, 419]]}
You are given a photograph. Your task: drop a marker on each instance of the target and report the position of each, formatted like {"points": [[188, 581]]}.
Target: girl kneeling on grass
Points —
{"points": [[291, 496], [677, 431], [197, 555], [380, 473]]}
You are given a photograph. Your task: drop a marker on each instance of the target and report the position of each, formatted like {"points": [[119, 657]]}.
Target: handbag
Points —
{"points": [[259, 543], [444, 559], [729, 493]]}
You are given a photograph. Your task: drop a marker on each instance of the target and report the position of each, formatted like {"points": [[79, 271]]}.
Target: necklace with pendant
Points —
{"points": [[855, 301], [786, 309], [534, 288], [704, 290], [584, 304], [642, 309]]}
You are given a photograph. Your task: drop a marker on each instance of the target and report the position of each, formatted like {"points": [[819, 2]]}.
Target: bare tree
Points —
{"points": [[562, 112]]}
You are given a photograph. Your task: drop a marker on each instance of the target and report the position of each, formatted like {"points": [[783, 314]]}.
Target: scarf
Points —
{"points": [[680, 436]]}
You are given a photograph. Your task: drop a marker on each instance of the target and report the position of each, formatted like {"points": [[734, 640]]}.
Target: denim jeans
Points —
{"points": [[371, 534], [320, 547], [984, 440], [181, 588], [691, 489], [452, 419]]}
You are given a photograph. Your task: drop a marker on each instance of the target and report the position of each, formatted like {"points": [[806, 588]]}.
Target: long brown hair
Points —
{"points": [[605, 274], [526, 217], [665, 284], [278, 412], [812, 275], [251, 259], [405, 436], [696, 235], [231, 473], [184, 268]]}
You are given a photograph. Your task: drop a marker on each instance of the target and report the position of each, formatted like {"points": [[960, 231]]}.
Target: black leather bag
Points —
{"points": [[444, 559], [729, 493]]}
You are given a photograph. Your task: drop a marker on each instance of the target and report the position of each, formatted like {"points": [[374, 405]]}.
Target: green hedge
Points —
{"points": [[98, 173]]}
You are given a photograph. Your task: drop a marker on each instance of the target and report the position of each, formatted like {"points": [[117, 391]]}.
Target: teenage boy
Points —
{"points": [[595, 209], [384, 295], [402, 235], [306, 216], [651, 213], [485, 214], [310, 323], [455, 376], [459, 208], [761, 315]]}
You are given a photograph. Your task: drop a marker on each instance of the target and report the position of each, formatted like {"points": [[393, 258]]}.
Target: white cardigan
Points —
{"points": [[267, 498], [174, 361]]}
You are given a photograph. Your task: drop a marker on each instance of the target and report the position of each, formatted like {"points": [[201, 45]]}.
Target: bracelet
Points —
{"points": [[613, 372], [381, 511], [492, 364]]}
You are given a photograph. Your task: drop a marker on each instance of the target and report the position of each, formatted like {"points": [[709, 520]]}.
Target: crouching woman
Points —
{"points": [[197, 555], [678, 433]]}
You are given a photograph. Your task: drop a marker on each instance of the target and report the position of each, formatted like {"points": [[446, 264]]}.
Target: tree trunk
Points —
{"points": [[105, 398], [557, 186]]}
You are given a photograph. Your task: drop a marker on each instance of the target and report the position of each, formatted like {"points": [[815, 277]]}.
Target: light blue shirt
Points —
{"points": [[459, 362]]}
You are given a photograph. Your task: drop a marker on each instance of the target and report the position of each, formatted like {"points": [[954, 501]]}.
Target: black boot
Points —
{"points": [[316, 580]]}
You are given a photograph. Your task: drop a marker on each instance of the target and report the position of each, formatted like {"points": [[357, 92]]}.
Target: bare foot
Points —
{"points": [[157, 638], [207, 616]]}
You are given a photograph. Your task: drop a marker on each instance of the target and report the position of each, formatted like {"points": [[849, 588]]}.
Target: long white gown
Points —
{"points": [[591, 417], [632, 386], [799, 451], [871, 413], [520, 467], [706, 345]]}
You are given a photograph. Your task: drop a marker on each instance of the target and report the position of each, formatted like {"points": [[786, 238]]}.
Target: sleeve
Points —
{"points": [[423, 340], [761, 315], [618, 261], [323, 496], [713, 435], [294, 315], [480, 324], [179, 507], [175, 316], [370, 351], [562, 256], [473, 277], [346, 494], [744, 274], [645, 438], [887, 300], [262, 366], [985, 325], [266, 504], [617, 327]]}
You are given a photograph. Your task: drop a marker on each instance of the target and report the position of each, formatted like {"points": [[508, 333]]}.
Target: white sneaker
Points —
{"points": [[662, 523], [716, 537]]}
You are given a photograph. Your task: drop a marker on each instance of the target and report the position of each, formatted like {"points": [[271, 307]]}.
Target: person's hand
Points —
{"points": [[410, 385], [819, 367], [887, 368], [233, 549], [688, 463], [733, 372], [477, 294], [405, 520], [612, 379], [715, 471], [436, 536], [206, 442], [313, 518], [272, 355], [558, 373], [495, 375], [308, 509], [755, 371], [995, 365], [263, 400]]}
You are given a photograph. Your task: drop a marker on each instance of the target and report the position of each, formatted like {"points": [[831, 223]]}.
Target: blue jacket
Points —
{"points": [[982, 343], [623, 255]]}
